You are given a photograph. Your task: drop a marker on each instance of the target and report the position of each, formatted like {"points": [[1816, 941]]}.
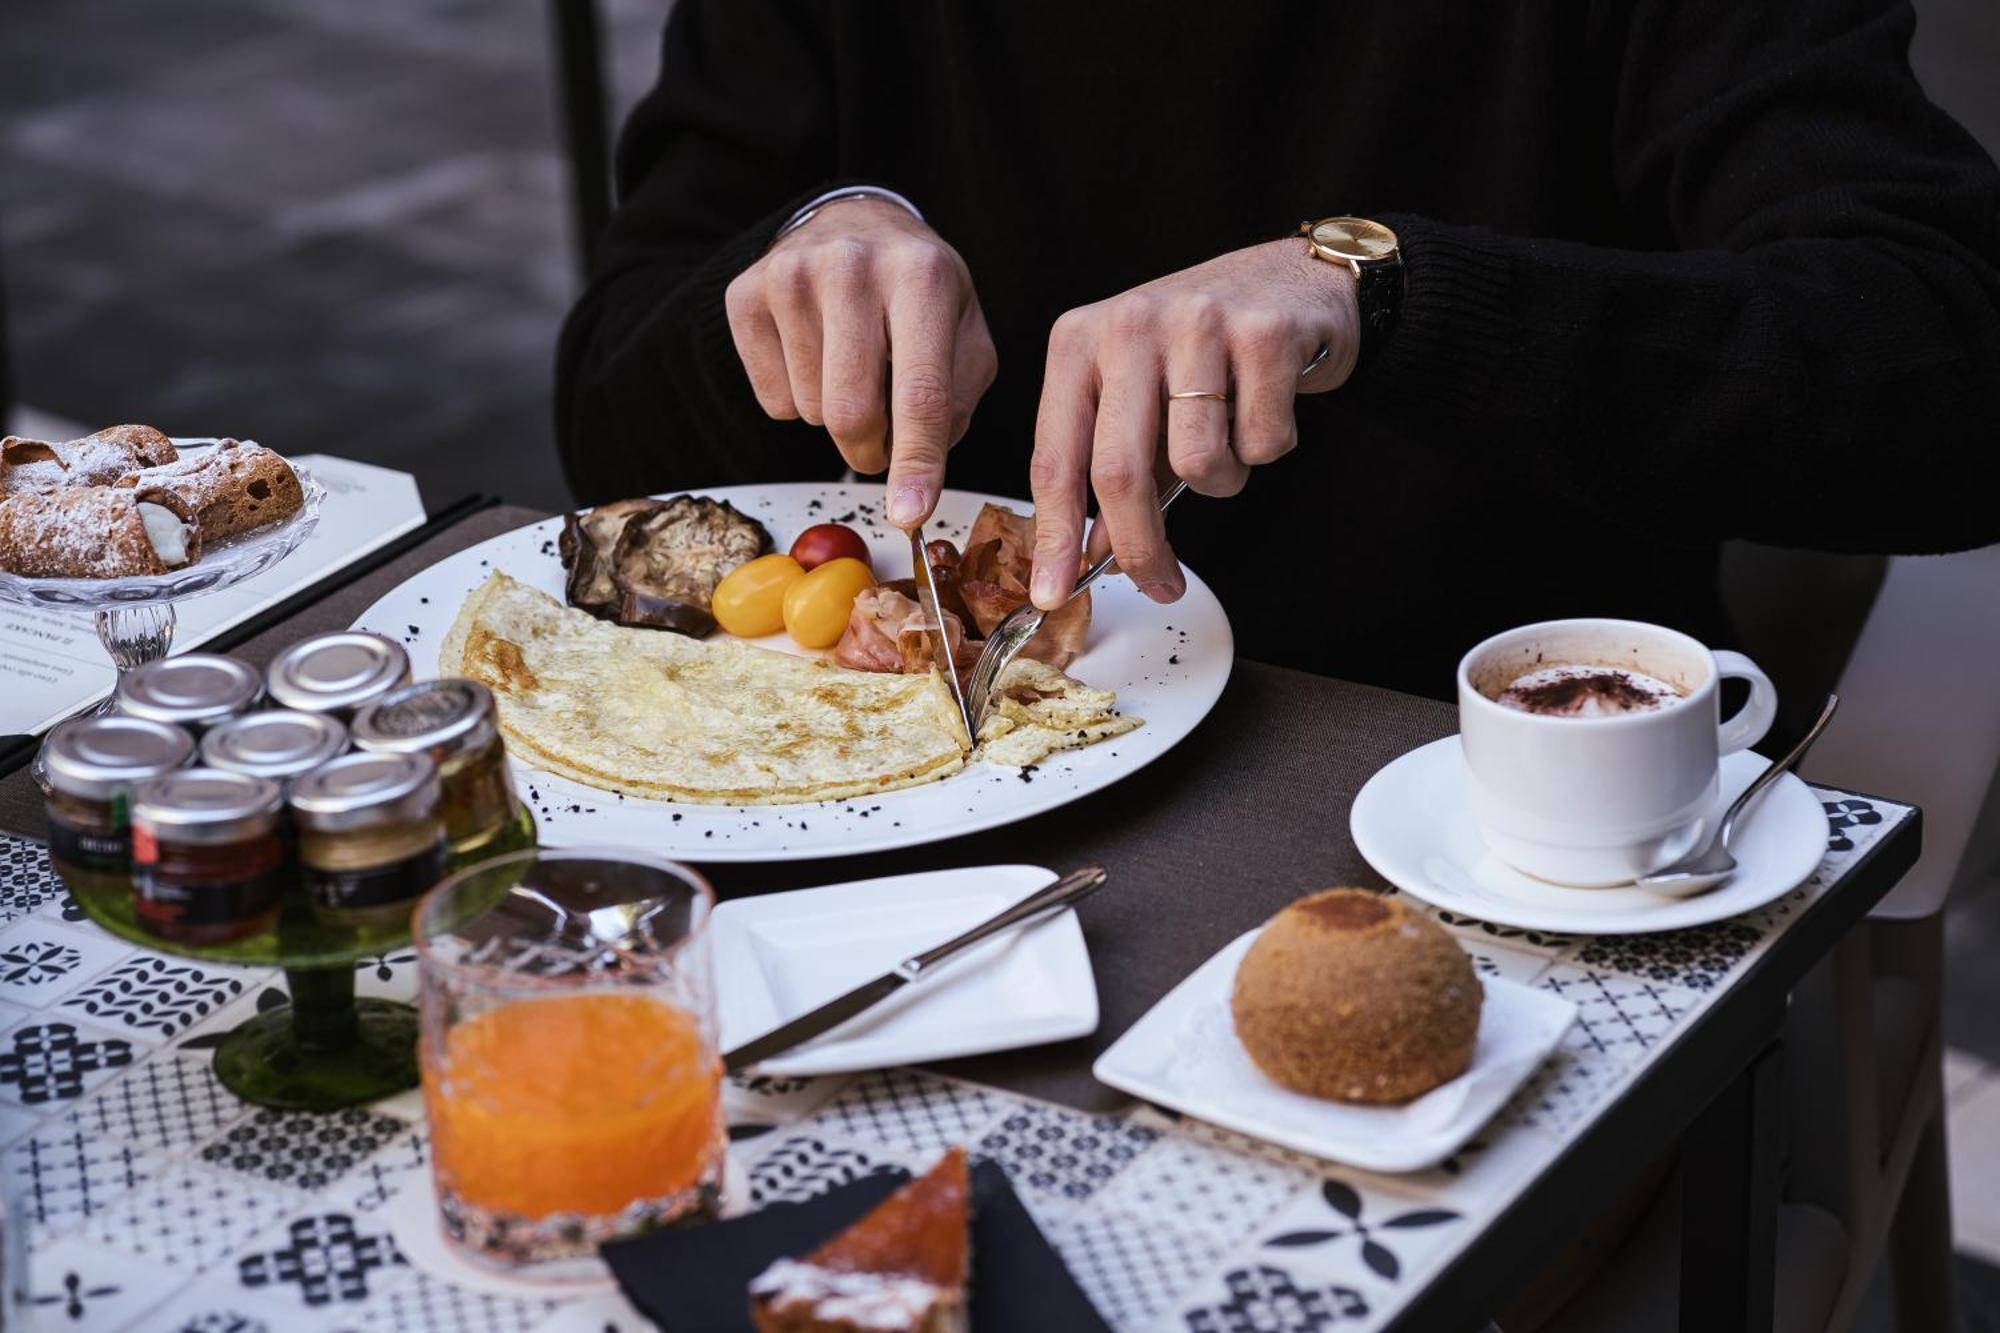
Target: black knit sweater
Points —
{"points": [[1678, 271]]}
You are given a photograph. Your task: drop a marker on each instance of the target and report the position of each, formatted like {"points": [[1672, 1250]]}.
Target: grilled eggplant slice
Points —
{"points": [[668, 560], [589, 546]]}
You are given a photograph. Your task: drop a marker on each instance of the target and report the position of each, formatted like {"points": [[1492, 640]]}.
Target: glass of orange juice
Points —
{"points": [[568, 1050]]}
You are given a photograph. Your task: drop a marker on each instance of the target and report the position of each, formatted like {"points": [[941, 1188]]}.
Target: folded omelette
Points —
{"points": [[723, 722]]}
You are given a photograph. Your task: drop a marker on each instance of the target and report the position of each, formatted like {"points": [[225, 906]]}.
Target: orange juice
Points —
{"points": [[573, 1104]]}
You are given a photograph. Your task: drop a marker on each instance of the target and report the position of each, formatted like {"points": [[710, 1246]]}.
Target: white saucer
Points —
{"points": [[1184, 1055], [782, 954], [1411, 822]]}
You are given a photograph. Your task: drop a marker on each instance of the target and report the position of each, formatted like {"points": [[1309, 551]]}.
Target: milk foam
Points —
{"points": [[1588, 691]]}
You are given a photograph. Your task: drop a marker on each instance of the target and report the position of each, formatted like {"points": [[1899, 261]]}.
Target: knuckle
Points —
{"points": [[1113, 475], [923, 397], [846, 257], [850, 416], [788, 271], [1264, 332], [1046, 475], [1264, 446], [1201, 312], [742, 296], [927, 263], [1134, 315]]}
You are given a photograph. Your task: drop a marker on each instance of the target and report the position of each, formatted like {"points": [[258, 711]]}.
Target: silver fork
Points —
{"points": [[1011, 635]]}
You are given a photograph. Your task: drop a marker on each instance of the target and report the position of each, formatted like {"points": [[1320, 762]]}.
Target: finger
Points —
{"points": [[1198, 428], [1125, 444], [794, 303], [1059, 473], [854, 371], [757, 346], [974, 365], [922, 333], [1265, 361]]}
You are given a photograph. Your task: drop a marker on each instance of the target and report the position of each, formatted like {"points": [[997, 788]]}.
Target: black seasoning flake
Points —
{"points": [[416, 629], [425, 600], [1174, 660], [708, 833], [677, 816]]}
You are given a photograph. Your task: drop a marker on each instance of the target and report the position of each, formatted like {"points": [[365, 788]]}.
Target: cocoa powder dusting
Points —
{"points": [[1614, 688], [1348, 909]]}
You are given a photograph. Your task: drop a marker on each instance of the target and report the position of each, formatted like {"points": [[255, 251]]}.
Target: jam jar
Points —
{"points": [[206, 855], [371, 836], [337, 673], [194, 690], [453, 722], [93, 763], [279, 743]]}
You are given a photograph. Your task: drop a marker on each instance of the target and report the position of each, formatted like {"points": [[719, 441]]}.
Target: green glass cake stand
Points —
{"points": [[326, 1048]]}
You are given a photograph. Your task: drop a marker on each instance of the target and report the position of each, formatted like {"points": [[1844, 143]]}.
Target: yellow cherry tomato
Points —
{"points": [[750, 600], [818, 605]]}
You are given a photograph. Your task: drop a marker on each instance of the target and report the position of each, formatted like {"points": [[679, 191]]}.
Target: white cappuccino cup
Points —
{"points": [[1600, 799]]}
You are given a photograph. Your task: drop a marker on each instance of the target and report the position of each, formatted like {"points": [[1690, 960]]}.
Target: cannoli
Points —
{"points": [[232, 488], [94, 460], [97, 532]]}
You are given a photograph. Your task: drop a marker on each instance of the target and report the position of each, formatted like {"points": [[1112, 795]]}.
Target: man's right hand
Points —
{"points": [[864, 321]]}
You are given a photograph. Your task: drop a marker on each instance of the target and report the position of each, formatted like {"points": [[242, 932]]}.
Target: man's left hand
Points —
{"points": [[1243, 325]]}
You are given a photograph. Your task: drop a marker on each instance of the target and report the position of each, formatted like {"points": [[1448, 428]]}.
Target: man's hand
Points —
{"points": [[864, 321], [1245, 325]]}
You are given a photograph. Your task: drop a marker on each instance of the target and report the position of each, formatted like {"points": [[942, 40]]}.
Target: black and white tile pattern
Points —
{"points": [[303, 1150], [167, 1103], [1130, 1270], [154, 1190], [27, 880], [423, 1304], [156, 998], [64, 1177], [54, 1061], [804, 1166], [191, 1217], [915, 1112], [324, 1259]]}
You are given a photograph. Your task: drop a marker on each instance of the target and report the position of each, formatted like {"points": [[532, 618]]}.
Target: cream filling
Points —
{"points": [[166, 532]]}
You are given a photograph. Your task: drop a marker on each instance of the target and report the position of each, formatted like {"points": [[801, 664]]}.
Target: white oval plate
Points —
{"points": [[1168, 665], [1411, 822], [1185, 1055]]}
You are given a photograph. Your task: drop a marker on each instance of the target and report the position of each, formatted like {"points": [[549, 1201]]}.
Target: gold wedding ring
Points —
{"points": [[1190, 395]]}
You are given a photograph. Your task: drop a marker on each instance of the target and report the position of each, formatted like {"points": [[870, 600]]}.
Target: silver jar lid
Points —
{"points": [[193, 690], [337, 673], [441, 718], [280, 743], [99, 757], [364, 790], [206, 805]]}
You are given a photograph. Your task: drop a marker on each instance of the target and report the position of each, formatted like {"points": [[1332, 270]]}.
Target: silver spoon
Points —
{"points": [[1703, 869]]}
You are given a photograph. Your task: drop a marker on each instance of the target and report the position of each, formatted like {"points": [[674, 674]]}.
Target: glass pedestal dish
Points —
{"points": [[327, 1048], [135, 615]]}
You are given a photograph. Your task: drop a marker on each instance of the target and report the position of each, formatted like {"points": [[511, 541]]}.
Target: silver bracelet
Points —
{"points": [[846, 192]]}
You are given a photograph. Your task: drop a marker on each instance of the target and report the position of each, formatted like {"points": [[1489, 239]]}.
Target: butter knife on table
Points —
{"points": [[1066, 892], [927, 597]]}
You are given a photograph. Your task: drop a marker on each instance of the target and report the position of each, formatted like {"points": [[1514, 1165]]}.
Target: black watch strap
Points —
{"points": [[1378, 296]]}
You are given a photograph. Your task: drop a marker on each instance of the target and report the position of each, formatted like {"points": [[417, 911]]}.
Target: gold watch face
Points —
{"points": [[1355, 239]]}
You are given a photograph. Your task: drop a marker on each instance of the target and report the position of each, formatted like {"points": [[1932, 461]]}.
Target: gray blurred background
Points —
{"points": [[344, 226]]}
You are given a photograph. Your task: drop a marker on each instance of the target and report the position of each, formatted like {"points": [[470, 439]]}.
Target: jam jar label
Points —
{"points": [[376, 886], [89, 849], [175, 901]]}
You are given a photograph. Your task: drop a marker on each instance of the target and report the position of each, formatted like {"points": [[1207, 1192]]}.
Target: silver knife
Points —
{"points": [[1065, 892], [927, 597]]}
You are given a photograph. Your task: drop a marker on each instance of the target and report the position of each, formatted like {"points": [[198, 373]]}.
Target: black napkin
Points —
{"points": [[697, 1280]]}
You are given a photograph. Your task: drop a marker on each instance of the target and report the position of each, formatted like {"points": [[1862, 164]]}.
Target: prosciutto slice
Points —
{"points": [[993, 582], [888, 631]]}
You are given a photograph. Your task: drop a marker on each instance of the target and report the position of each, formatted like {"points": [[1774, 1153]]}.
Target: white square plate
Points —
{"points": [[1184, 1055], [782, 954]]}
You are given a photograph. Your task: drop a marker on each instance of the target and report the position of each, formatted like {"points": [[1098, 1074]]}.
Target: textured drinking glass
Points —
{"points": [[569, 1062]]}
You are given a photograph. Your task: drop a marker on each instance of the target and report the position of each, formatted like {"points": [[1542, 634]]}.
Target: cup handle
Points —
{"points": [[1755, 717]]}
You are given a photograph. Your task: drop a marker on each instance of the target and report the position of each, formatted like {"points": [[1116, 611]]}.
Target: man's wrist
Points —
{"points": [[844, 194]]}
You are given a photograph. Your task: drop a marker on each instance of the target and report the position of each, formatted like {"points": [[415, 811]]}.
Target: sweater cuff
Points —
{"points": [[1455, 331]]}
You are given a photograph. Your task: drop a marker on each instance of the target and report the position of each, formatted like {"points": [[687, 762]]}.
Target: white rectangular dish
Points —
{"points": [[1184, 1055], [782, 954]]}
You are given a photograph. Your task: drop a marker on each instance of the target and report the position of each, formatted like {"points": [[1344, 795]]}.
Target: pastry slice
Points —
{"points": [[900, 1269], [232, 488], [96, 532]]}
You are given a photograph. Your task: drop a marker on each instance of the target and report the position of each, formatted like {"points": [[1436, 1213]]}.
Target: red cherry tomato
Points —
{"points": [[828, 541]]}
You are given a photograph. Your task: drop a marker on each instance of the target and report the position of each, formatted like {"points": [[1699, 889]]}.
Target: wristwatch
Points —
{"points": [[1370, 251]]}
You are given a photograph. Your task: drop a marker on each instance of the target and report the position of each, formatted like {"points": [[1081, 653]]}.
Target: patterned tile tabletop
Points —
{"points": [[157, 1201]]}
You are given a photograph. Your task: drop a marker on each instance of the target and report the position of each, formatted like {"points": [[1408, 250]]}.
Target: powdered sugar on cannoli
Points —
{"points": [[232, 488], [96, 532], [94, 460]]}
